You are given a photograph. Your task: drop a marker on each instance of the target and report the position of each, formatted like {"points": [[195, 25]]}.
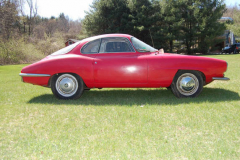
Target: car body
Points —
{"points": [[226, 50], [235, 48], [121, 61]]}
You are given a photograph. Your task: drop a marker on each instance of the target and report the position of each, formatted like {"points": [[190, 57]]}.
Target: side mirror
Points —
{"points": [[161, 50]]}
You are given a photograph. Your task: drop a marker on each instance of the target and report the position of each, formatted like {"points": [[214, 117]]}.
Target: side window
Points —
{"points": [[115, 44], [91, 47]]}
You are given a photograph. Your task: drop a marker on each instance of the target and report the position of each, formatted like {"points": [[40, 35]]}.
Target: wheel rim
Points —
{"points": [[66, 85], [187, 84]]}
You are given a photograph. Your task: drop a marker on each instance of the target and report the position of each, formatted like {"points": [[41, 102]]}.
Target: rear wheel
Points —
{"points": [[187, 84], [67, 86]]}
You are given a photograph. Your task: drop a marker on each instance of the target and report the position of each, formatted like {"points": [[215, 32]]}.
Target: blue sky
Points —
{"points": [[75, 9]]}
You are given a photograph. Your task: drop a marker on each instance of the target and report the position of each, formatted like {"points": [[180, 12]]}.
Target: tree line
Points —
{"points": [[192, 25], [14, 21], [26, 37]]}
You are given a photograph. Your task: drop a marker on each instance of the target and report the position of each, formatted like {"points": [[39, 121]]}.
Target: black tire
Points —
{"points": [[235, 51], [187, 84], [67, 86]]}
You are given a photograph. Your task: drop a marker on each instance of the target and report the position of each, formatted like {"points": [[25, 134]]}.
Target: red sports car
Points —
{"points": [[121, 61]]}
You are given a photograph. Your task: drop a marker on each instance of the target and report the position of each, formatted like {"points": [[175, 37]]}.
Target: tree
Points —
{"points": [[50, 27], [108, 16], [157, 32], [9, 17], [63, 23], [75, 28], [172, 22], [33, 12], [146, 21], [197, 22], [234, 27], [188, 10], [141, 19], [208, 22]]}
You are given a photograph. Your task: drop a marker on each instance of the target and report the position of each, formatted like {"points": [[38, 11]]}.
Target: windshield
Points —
{"points": [[140, 46], [66, 49]]}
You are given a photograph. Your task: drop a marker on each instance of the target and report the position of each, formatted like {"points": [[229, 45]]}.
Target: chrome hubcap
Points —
{"points": [[66, 85], [187, 84]]}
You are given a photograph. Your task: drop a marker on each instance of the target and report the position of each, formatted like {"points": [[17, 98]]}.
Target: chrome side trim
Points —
{"points": [[222, 79], [33, 75]]}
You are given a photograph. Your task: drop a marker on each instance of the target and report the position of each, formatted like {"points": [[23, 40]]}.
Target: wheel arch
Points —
{"points": [[60, 73]]}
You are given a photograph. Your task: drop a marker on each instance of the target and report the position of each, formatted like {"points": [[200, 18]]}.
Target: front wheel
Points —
{"points": [[67, 86], [187, 84]]}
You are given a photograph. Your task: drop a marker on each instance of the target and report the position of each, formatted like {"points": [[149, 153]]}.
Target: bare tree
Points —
{"points": [[75, 28], [32, 14], [63, 23], [50, 27], [33, 11]]}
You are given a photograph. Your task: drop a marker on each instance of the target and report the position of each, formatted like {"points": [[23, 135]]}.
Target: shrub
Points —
{"points": [[50, 44], [18, 51]]}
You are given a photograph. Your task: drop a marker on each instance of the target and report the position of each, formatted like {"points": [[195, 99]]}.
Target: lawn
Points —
{"points": [[120, 123]]}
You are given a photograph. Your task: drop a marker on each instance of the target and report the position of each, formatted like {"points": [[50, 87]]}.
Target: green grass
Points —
{"points": [[120, 123]]}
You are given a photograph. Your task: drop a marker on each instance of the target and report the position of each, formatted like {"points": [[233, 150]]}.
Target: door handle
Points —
{"points": [[95, 62]]}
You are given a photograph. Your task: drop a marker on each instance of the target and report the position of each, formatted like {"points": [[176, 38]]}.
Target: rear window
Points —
{"points": [[66, 49], [91, 47]]}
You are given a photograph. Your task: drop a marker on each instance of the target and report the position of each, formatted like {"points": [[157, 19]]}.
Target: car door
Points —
{"points": [[118, 65]]}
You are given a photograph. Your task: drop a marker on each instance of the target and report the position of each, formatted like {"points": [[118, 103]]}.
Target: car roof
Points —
{"points": [[105, 36]]}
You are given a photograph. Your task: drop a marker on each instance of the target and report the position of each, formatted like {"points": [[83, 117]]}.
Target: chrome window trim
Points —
{"points": [[33, 75], [131, 45]]}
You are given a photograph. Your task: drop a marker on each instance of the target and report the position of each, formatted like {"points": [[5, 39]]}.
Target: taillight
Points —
{"points": [[236, 47]]}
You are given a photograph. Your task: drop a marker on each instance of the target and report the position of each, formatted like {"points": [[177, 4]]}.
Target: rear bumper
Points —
{"points": [[33, 75], [36, 79], [222, 78]]}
